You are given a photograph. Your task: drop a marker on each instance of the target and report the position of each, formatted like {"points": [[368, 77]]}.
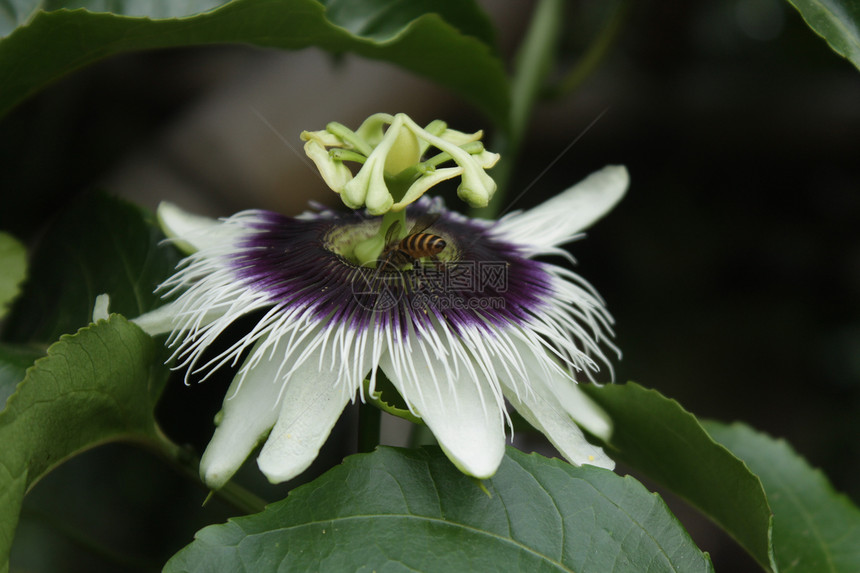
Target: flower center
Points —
{"points": [[342, 239], [422, 244]]}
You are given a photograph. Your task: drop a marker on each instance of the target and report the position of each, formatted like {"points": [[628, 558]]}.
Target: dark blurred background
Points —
{"points": [[732, 266]]}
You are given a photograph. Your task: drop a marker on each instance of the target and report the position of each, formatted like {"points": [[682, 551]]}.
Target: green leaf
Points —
{"points": [[411, 510], [13, 261], [382, 20], [14, 13], [99, 245], [658, 437], [53, 44], [815, 528], [92, 387], [837, 21], [14, 361]]}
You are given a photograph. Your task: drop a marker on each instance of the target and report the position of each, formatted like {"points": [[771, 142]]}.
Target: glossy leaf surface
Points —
{"points": [[443, 41], [94, 386], [814, 527], [99, 245], [412, 510], [658, 437], [837, 21]]}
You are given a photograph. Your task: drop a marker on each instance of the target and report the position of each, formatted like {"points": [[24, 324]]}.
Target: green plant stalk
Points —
{"points": [[397, 186], [533, 63], [368, 251], [188, 464], [531, 66], [595, 53]]}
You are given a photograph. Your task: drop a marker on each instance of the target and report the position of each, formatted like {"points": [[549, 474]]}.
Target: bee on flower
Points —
{"points": [[459, 332]]}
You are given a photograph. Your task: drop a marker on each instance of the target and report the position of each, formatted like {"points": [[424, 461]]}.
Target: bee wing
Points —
{"points": [[423, 222], [392, 233]]}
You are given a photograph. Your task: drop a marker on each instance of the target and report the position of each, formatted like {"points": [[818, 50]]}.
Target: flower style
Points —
{"points": [[456, 334], [395, 153]]}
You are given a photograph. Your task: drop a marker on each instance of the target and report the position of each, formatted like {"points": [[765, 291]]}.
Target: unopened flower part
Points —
{"points": [[392, 175]]}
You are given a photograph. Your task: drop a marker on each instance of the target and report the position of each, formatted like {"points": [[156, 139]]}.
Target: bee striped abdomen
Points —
{"points": [[422, 245]]}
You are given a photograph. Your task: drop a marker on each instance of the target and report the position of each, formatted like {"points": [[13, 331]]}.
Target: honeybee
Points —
{"points": [[415, 245]]}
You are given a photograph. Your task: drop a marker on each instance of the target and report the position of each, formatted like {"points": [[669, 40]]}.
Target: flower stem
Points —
{"points": [[595, 53], [187, 464], [532, 63], [368, 251]]}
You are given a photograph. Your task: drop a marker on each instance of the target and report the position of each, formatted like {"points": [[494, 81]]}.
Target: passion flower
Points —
{"points": [[457, 333]]}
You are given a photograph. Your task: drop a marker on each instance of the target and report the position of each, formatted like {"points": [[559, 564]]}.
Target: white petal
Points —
{"points": [[559, 219], [322, 379], [251, 407], [545, 373], [536, 401], [190, 232], [165, 318], [539, 411], [101, 308], [312, 403], [454, 400], [158, 321], [580, 407]]}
